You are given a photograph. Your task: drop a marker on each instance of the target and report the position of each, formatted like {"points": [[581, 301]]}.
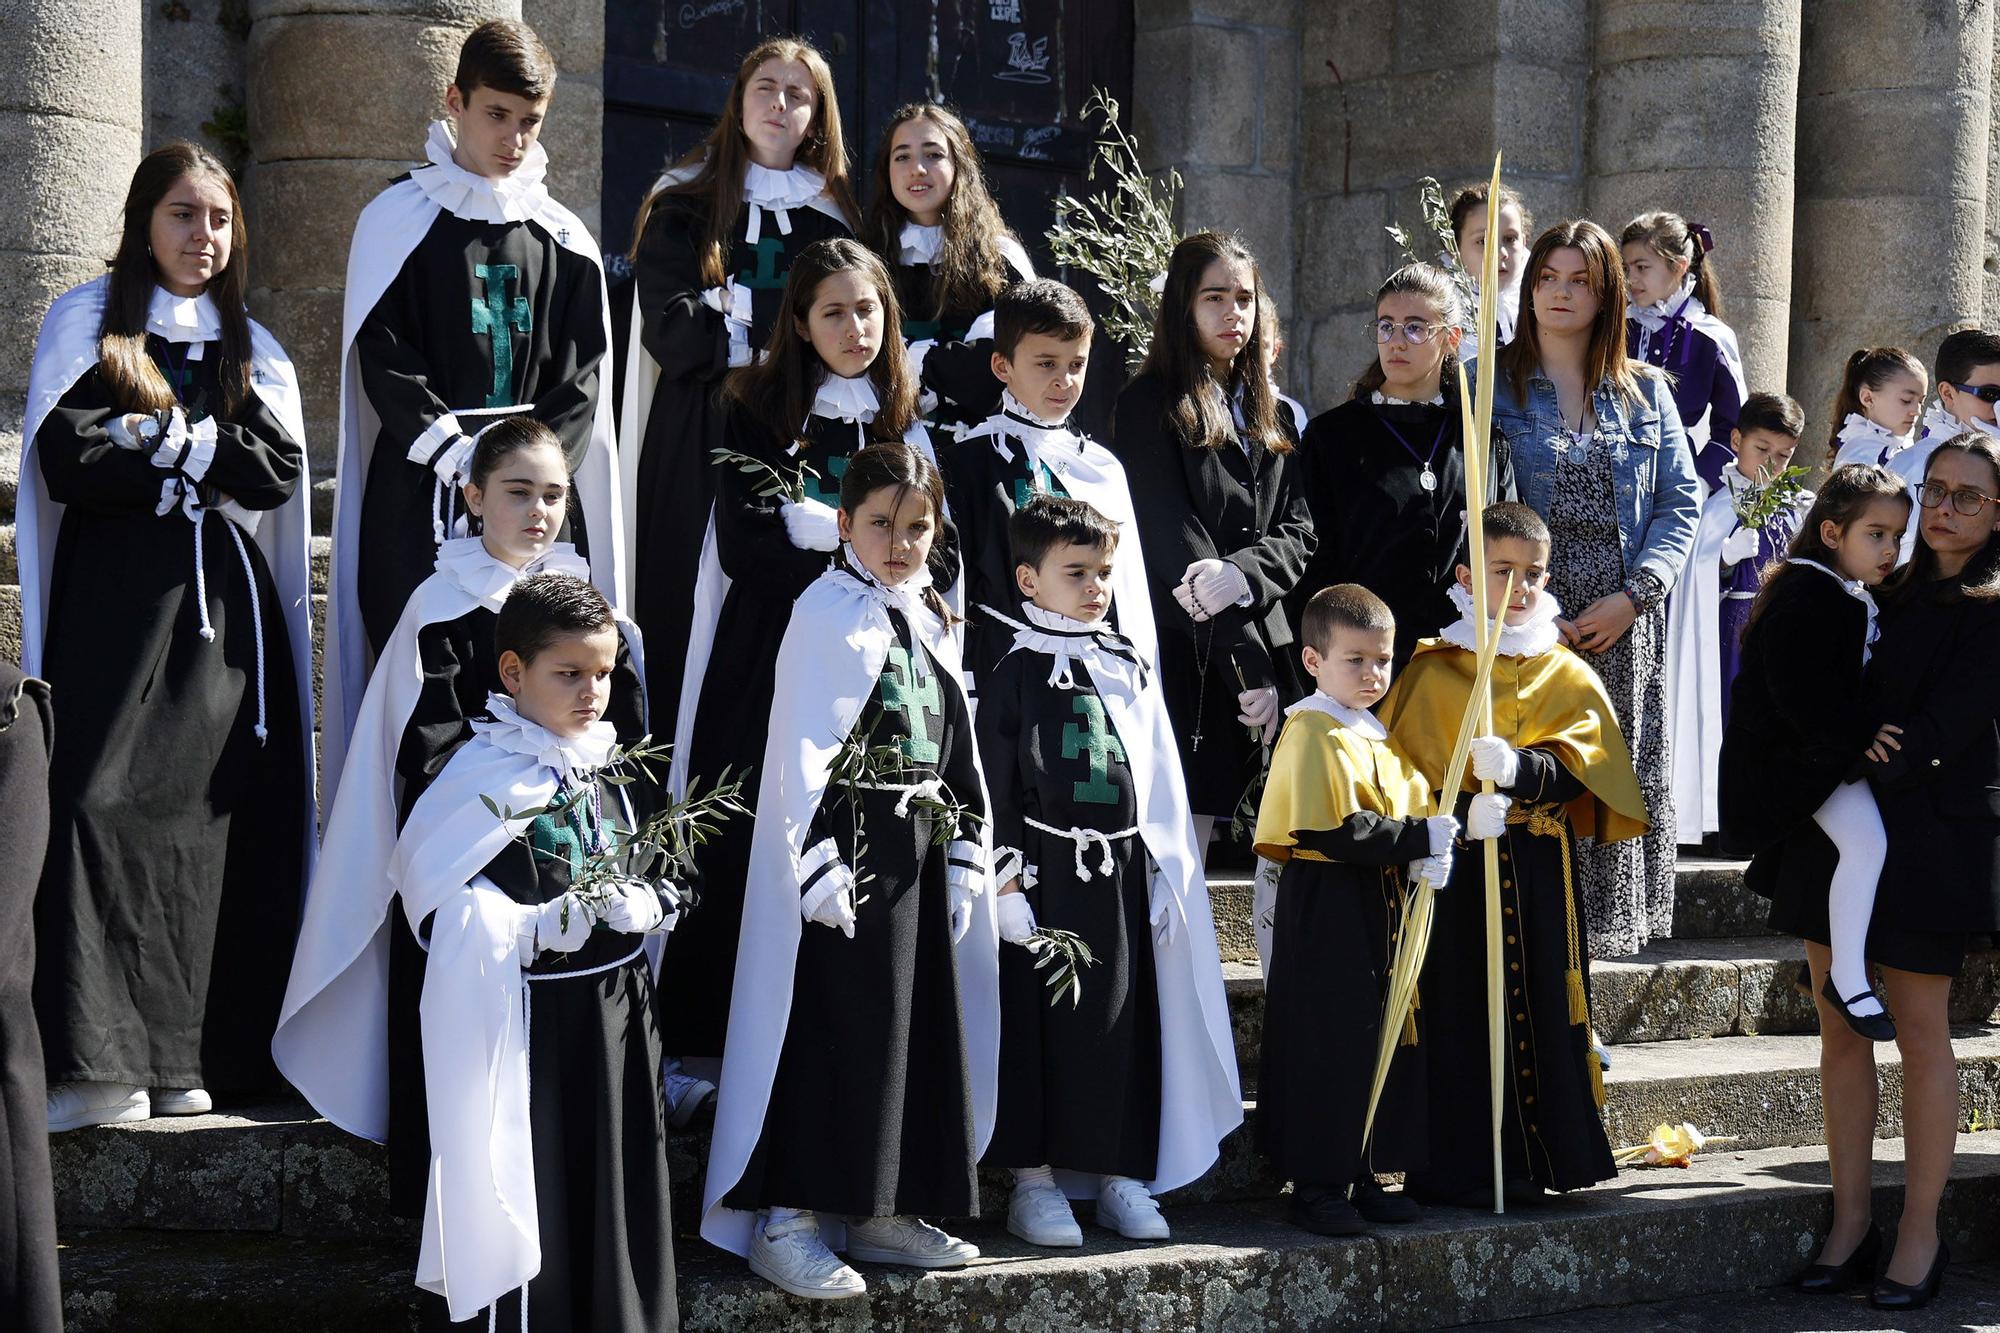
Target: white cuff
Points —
{"points": [[1009, 863], [915, 354], [981, 330], [426, 447], [186, 449], [965, 860]]}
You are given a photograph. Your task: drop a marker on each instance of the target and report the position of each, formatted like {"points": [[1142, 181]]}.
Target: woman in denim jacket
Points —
{"points": [[1600, 454]]}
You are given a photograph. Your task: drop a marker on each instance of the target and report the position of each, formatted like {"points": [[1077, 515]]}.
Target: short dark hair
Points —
{"points": [[1963, 352], [1038, 305], [1773, 412], [1049, 521], [506, 56], [543, 608], [1343, 606], [1511, 518]]}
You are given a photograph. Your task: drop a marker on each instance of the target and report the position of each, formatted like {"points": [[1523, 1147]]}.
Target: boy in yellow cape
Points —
{"points": [[1351, 822], [1560, 770]]}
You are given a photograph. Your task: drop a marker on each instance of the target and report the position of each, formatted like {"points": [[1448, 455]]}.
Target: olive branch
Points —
{"points": [[1430, 202], [787, 485], [1066, 955], [1768, 496]]}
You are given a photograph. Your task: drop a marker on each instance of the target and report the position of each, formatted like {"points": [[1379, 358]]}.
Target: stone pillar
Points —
{"points": [[1893, 122], [70, 112], [338, 103], [574, 135], [1705, 129]]}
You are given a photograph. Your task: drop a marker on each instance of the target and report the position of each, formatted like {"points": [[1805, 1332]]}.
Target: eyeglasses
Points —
{"points": [[1967, 501], [1985, 393], [1415, 332]]}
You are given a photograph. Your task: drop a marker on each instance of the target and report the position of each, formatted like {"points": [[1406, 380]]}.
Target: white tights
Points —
{"points": [[1850, 819]]}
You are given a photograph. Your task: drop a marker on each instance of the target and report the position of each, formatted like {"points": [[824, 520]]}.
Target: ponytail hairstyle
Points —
{"points": [[970, 268], [503, 439], [778, 390], [1843, 499], [1980, 579], [1605, 272], [1868, 368], [1676, 240], [1429, 283], [1201, 416], [128, 370], [894, 464], [713, 170]]}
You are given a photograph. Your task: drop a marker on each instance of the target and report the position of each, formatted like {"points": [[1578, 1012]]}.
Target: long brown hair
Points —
{"points": [[1672, 237], [1432, 284], [1843, 499], [1871, 368], [136, 383], [892, 463], [779, 389], [970, 268], [714, 168], [1176, 360], [1605, 275], [1980, 579]]}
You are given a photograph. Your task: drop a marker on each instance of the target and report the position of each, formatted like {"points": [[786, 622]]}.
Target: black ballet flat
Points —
{"points": [[1897, 1296], [1832, 1279], [1875, 1027]]}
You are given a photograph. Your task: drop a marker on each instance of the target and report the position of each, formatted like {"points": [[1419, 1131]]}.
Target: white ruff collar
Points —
{"points": [[1354, 719], [183, 319], [1110, 656], [779, 190], [466, 194], [1855, 429], [1036, 434], [1531, 638], [1940, 425], [569, 756], [841, 399], [920, 244], [485, 578], [1854, 588], [1381, 399], [1682, 305]]}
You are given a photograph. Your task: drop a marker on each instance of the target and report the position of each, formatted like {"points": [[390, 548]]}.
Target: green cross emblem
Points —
{"points": [[812, 486], [769, 249], [1039, 481], [917, 330], [1096, 740], [555, 840], [900, 694], [499, 318]]}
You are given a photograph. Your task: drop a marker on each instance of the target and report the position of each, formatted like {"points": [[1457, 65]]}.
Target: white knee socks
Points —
{"points": [[1851, 820]]}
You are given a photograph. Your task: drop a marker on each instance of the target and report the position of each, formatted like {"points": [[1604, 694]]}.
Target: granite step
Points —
{"points": [[1733, 1221]]}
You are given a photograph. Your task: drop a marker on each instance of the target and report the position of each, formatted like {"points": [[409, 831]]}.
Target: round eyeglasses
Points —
{"points": [[1415, 331], [1966, 501]]}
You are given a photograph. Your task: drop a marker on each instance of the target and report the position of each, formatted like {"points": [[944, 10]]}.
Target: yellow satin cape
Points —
{"points": [[1321, 773], [1552, 701]]}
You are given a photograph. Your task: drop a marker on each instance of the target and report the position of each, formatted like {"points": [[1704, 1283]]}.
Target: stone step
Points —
{"points": [[1733, 1221]]}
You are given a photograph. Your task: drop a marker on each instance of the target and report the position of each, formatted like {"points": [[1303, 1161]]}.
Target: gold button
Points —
{"points": [[1527, 1073], [1521, 1046], [1510, 939], [1530, 1101], [1507, 911], [1513, 967], [1517, 990], [1506, 883], [1520, 1018]]}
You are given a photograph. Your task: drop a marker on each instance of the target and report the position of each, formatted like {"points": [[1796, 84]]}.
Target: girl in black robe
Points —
{"points": [[178, 807], [935, 223], [714, 245]]}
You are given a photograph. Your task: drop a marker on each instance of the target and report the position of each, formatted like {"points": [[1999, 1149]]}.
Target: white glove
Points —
{"points": [[124, 431], [1166, 908], [1017, 918], [812, 525], [1741, 545], [1495, 761], [542, 928], [964, 878], [961, 911], [1442, 829], [1210, 587], [1437, 869], [1488, 816], [634, 908], [1260, 707], [830, 900]]}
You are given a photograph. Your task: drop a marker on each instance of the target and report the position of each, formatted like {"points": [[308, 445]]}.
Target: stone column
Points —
{"points": [[338, 100], [1893, 122], [1705, 129], [71, 108]]}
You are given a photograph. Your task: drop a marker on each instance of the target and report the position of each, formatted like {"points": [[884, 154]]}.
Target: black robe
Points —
{"points": [[30, 1290], [176, 858], [595, 1117], [1079, 1083], [676, 480], [984, 490], [1197, 504], [871, 1105], [460, 669], [957, 369], [1376, 524], [433, 344], [767, 573], [1551, 1130]]}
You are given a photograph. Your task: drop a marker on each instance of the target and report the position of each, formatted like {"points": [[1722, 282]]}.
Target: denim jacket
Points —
{"points": [[1658, 495]]}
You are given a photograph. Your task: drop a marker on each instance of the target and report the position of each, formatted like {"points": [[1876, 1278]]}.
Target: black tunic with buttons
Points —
{"points": [[176, 860]]}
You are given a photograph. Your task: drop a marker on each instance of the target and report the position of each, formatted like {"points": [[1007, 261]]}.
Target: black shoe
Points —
{"points": [[1860, 1267], [1378, 1205], [1875, 1027], [1324, 1212], [1896, 1296], [1521, 1193]]}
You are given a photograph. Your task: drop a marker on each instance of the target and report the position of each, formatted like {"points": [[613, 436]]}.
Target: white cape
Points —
{"points": [[833, 651], [1201, 1097], [389, 228], [64, 353]]}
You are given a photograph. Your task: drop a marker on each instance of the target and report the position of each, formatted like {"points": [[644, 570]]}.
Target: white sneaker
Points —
{"points": [[74, 1105], [791, 1256], [909, 1241], [1040, 1215], [685, 1095], [1127, 1207], [182, 1101]]}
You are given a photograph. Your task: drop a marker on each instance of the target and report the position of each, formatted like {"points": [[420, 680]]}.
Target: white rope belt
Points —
{"points": [[1082, 839], [198, 516], [930, 788]]}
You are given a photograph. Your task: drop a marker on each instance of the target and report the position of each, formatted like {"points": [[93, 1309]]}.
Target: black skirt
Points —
{"points": [[1796, 875]]}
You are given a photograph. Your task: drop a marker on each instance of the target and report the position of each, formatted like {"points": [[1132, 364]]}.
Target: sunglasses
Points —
{"points": [[1985, 393], [1967, 501], [1415, 331]]}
